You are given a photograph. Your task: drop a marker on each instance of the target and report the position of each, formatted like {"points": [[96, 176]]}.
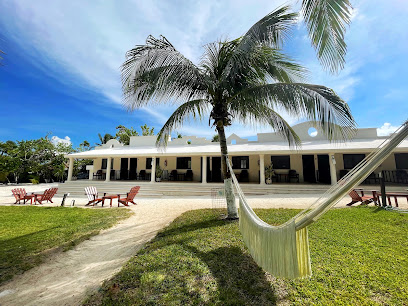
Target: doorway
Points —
{"points": [[124, 163], [324, 169], [309, 170], [133, 169], [216, 170]]}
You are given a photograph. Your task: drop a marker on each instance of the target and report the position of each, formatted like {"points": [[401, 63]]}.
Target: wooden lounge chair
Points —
{"points": [[46, 196], [129, 197], [92, 195], [21, 195], [355, 198]]}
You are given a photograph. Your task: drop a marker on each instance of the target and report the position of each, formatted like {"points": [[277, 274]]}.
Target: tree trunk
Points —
{"points": [[229, 192]]}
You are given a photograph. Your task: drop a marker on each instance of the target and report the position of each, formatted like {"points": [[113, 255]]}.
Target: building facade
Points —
{"points": [[197, 159]]}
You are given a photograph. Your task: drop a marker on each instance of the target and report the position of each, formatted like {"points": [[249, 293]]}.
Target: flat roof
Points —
{"points": [[274, 148]]}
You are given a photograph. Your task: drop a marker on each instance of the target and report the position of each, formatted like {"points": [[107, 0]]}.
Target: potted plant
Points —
{"points": [[159, 173], [269, 172]]}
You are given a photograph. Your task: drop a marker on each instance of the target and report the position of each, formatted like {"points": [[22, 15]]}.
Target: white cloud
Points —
{"points": [[56, 140], [386, 130]]}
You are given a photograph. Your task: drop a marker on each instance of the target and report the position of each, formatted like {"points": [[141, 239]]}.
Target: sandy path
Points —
{"points": [[66, 278]]}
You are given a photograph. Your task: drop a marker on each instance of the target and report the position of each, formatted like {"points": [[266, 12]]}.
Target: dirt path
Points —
{"points": [[66, 278]]}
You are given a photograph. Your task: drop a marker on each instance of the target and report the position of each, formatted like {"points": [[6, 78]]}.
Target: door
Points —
{"points": [[324, 169], [124, 163], [133, 169], [308, 169], [216, 175]]}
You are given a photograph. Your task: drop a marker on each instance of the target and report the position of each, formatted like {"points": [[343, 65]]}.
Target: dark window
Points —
{"points": [[240, 162], [183, 162], [280, 162], [104, 163], [401, 160], [149, 162], [352, 160]]}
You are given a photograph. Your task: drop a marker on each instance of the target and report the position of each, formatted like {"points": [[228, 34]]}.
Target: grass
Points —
{"points": [[28, 234], [359, 257]]}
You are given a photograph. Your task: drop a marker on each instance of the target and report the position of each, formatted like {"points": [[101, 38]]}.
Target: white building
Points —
{"points": [[198, 159]]}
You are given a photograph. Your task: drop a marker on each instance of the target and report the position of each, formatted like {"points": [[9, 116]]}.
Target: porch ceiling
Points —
{"points": [[359, 145]]}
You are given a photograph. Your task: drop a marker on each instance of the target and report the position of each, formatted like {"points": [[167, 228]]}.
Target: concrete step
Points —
{"points": [[76, 188]]}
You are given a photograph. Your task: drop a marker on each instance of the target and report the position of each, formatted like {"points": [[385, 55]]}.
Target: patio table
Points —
{"points": [[110, 197]]}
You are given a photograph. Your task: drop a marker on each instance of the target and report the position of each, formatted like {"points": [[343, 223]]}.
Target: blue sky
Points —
{"points": [[61, 68]]}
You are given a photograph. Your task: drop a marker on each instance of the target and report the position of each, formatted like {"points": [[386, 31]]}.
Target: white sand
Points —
{"points": [[66, 278]]}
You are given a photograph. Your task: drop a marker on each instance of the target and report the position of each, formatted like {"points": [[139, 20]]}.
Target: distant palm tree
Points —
{"points": [[104, 139], [247, 79]]}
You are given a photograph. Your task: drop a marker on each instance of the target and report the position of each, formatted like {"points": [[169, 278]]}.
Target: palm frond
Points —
{"points": [[194, 108], [326, 22], [262, 114], [158, 72], [314, 102], [272, 30]]}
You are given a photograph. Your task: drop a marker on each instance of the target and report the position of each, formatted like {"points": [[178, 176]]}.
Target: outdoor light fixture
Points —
{"points": [[333, 160], [165, 163]]}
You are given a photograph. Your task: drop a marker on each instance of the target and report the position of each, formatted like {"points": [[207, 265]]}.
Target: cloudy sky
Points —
{"points": [[61, 74]]}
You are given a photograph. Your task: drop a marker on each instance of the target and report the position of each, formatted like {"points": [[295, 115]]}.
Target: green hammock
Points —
{"points": [[284, 250]]}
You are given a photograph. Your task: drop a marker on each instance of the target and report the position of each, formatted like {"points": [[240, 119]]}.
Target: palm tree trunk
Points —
{"points": [[229, 192]]}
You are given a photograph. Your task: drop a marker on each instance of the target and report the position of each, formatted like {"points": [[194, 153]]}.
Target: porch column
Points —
{"points": [[262, 168], [108, 169], [153, 175], [204, 170], [70, 169], [332, 163]]}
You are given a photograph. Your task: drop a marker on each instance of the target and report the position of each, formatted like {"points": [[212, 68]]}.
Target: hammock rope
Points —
{"points": [[283, 250]]}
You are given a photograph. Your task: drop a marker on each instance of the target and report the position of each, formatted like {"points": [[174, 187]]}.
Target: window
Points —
{"points": [[149, 162], [280, 162], [183, 162], [351, 160], [401, 160], [105, 163], [240, 162]]}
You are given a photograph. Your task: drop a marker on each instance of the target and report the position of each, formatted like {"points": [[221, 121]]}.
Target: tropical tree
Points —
{"points": [[247, 79], [123, 134], [216, 138], [103, 140], [146, 130]]}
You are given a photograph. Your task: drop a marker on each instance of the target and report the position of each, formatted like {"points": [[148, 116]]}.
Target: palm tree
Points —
{"points": [[326, 22], [104, 139], [247, 79]]}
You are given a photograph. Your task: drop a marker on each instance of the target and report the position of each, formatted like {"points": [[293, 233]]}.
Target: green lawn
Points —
{"points": [[27, 234], [359, 257]]}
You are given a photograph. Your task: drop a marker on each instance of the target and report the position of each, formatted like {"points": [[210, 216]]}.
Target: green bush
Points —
{"points": [[34, 181]]}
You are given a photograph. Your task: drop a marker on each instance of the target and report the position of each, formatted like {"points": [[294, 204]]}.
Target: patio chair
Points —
{"points": [[189, 175], [355, 198], [98, 175], [129, 197], [21, 195], [293, 175], [46, 196], [173, 175], [92, 194], [142, 175]]}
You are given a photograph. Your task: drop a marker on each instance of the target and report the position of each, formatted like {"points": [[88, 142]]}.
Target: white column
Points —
{"points": [[262, 169], [108, 169], [332, 163], [90, 168], [153, 176], [70, 169], [204, 170]]}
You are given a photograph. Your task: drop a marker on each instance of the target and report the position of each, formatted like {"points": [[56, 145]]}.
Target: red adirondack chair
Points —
{"points": [[46, 196], [355, 198], [92, 195], [21, 195], [129, 197]]}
